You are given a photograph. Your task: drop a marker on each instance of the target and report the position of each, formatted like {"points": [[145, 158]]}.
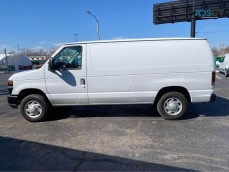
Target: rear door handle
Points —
{"points": [[82, 82]]}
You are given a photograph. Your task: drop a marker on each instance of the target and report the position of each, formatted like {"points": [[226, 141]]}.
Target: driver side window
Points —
{"points": [[69, 58]]}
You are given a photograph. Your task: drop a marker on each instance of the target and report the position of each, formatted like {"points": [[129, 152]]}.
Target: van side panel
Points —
{"points": [[134, 72]]}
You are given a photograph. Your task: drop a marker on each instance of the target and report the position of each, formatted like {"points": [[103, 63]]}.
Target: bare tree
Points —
{"points": [[38, 52], [220, 51], [215, 51]]}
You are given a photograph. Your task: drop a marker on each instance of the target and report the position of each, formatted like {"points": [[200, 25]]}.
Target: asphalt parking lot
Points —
{"points": [[123, 138]]}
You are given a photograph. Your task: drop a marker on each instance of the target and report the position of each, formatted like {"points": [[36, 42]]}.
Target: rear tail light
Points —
{"points": [[213, 77]]}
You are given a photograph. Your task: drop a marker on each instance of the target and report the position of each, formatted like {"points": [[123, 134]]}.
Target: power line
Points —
{"points": [[215, 32]]}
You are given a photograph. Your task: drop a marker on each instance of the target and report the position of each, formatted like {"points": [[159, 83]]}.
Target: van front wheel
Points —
{"points": [[34, 108], [172, 105]]}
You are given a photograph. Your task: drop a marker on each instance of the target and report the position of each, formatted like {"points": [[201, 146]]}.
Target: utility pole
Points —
{"points": [[75, 34], [18, 48], [5, 52], [193, 21]]}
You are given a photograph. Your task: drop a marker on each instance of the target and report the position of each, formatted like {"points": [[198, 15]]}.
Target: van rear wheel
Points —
{"points": [[172, 105], [34, 108]]}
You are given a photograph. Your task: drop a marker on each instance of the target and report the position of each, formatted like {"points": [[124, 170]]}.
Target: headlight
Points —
{"points": [[10, 83]]}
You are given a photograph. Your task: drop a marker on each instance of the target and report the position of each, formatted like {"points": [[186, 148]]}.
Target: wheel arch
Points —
{"points": [[179, 89], [27, 92]]}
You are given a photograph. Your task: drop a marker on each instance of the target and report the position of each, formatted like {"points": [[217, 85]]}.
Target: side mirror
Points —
{"points": [[51, 64], [56, 66]]}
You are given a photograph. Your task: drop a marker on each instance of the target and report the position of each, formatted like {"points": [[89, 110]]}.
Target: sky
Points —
{"points": [[50, 23]]}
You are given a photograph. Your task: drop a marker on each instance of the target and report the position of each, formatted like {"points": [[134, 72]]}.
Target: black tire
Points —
{"points": [[172, 105], [36, 103]]}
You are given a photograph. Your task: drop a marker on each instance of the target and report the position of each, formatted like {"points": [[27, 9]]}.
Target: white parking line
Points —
{"points": [[218, 77]]}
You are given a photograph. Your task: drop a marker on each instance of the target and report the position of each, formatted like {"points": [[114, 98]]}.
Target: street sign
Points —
{"points": [[183, 10]]}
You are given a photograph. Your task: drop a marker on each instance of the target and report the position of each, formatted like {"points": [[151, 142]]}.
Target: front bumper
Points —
{"points": [[213, 97], [13, 101]]}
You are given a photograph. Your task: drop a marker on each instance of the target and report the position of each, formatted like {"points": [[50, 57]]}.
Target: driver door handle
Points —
{"points": [[82, 82]]}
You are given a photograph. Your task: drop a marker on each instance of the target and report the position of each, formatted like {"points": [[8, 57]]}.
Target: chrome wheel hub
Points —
{"points": [[172, 106], [33, 109]]}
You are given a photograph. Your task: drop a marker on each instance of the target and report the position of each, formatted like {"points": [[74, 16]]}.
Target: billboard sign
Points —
{"points": [[183, 10]]}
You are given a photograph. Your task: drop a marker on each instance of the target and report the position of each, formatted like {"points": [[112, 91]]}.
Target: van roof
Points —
{"points": [[133, 40]]}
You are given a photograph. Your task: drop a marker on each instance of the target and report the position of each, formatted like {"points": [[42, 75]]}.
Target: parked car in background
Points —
{"points": [[224, 65]]}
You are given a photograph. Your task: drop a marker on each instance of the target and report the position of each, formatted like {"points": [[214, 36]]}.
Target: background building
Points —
{"points": [[15, 63]]}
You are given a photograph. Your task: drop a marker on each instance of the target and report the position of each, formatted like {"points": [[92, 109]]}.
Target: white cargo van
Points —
{"points": [[166, 72]]}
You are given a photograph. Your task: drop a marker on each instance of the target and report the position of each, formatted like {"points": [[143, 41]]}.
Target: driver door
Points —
{"points": [[66, 83]]}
